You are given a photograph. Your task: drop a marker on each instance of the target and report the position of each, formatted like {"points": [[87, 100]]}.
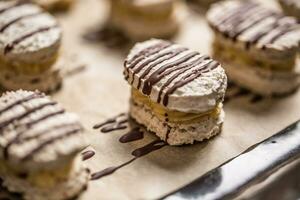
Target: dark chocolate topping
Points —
{"points": [[87, 155], [161, 59], [132, 135], [251, 19]]}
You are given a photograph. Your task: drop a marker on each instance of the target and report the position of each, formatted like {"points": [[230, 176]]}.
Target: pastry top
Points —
{"points": [[295, 3], [36, 131], [255, 25], [27, 33], [176, 77]]}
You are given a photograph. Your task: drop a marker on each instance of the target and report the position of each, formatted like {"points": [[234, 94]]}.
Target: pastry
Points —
{"points": [[39, 148], [257, 46], [29, 48], [291, 7], [144, 19], [176, 93]]}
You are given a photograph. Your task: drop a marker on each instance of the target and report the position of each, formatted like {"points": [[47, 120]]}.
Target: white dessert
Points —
{"points": [[179, 89], [144, 19], [39, 147], [258, 46], [29, 43]]}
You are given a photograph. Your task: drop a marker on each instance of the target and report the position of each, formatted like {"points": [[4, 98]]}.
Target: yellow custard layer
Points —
{"points": [[173, 116], [230, 54], [41, 179]]}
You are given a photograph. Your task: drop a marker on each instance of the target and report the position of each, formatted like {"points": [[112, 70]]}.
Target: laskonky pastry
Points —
{"points": [[257, 46], [30, 41], [39, 148], [144, 19], [176, 93]]}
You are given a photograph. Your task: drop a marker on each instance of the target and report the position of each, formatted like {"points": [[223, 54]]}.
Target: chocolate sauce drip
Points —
{"points": [[132, 135], [188, 78], [50, 141], [116, 123], [87, 155], [156, 76], [23, 100], [25, 114], [5, 26], [109, 170], [153, 146], [9, 47]]}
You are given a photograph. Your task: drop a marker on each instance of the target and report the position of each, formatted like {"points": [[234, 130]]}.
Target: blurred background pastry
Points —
{"points": [[176, 93], [39, 148], [144, 19], [30, 42], [291, 7], [54, 5], [257, 46]]}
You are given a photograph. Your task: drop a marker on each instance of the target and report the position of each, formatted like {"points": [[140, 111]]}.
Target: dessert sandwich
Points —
{"points": [[144, 19], [257, 46], [39, 148], [29, 48], [291, 7], [176, 93]]}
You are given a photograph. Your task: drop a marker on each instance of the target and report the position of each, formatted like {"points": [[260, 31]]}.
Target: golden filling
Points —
{"points": [[173, 116], [41, 179], [28, 68], [230, 53], [125, 9]]}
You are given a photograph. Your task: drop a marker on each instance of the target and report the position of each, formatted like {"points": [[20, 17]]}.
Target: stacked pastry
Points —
{"points": [[39, 146], [176, 93], [29, 47], [291, 7], [144, 19], [258, 46]]}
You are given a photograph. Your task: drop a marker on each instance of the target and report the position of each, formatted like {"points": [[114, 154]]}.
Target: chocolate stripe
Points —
{"points": [[160, 61], [27, 113], [25, 99], [48, 142], [9, 47], [5, 26], [16, 4], [188, 78], [154, 78]]}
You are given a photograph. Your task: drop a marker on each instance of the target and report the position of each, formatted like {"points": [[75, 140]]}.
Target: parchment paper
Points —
{"points": [[101, 92]]}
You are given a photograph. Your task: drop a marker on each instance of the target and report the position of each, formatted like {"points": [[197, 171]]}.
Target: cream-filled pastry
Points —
{"points": [[257, 46], [177, 93], [144, 19], [291, 7], [39, 147], [30, 40]]}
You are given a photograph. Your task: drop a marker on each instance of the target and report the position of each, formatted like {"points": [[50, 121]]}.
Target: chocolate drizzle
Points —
{"points": [[132, 135], [153, 146], [87, 155], [249, 17], [116, 123], [10, 46], [109, 170], [163, 59], [8, 24]]}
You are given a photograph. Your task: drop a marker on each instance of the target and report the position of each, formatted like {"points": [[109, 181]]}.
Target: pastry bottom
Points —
{"points": [[263, 81], [176, 133], [47, 82], [68, 187]]}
